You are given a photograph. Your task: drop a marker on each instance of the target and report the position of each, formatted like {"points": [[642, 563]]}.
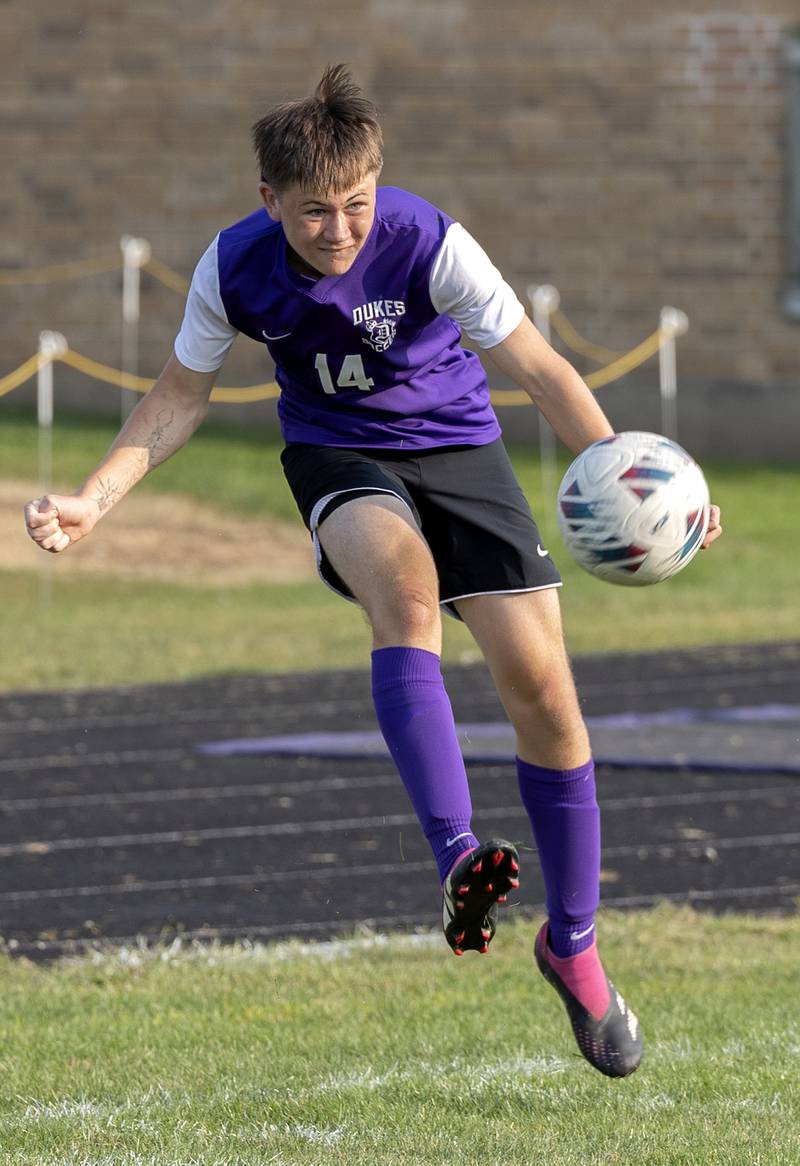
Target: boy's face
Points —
{"points": [[325, 231]]}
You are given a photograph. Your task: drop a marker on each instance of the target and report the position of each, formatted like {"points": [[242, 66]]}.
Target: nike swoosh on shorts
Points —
{"points": [[540, 551]]}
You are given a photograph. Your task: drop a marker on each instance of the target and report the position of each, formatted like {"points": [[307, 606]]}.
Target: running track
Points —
{"points": [[113, 825]]}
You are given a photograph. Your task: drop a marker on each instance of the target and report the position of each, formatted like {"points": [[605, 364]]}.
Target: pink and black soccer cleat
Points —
{"points": [[471, 892], [609, 1036]]}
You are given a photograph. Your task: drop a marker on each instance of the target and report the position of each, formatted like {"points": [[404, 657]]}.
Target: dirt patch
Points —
{"points": [[164, 538]]}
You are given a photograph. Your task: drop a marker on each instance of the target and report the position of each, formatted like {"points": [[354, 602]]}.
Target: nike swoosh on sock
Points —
{"points": [[450, 841]]}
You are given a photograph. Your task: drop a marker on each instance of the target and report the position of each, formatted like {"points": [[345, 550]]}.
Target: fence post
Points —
{"points": [[135, 253], [51, 345], [544, 300], [673, 323]]}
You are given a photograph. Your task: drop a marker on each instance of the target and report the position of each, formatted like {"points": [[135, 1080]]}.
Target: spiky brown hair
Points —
{"points": [[327, 142]]}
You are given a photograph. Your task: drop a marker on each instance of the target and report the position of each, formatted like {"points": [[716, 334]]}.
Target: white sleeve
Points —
{"points": [[465, 284], [205, 336]]}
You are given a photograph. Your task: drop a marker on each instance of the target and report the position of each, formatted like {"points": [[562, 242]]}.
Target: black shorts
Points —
{"points": [[465, 499]]}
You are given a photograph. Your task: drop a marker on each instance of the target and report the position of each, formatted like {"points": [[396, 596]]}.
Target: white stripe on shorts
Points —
{"points": [[319, 506]]}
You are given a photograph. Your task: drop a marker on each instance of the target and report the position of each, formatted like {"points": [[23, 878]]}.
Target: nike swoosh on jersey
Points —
{"points": [[540, 551], [282, 336]]}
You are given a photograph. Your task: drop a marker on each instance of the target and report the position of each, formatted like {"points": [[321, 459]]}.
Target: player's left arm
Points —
{"points": [[561, 394], [553, 385], [465, 284]]}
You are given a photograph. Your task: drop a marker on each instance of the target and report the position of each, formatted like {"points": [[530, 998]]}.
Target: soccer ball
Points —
{"points": [[633, 508]]}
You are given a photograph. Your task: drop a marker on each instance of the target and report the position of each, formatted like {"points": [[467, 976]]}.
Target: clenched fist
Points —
{"points": [[56, 521]]}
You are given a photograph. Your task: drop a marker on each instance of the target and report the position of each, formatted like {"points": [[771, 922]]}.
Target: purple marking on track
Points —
{"points": [[495, 742], [337, 744], [759, 712], [685, 716]]}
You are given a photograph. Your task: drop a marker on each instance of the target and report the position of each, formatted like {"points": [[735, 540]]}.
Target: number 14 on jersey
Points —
{"points": [[352, 374]]}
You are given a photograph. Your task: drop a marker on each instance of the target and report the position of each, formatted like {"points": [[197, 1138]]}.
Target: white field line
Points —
{"points": [[130, 1158], [221, 944], [711, 896], [521, 1075], [340, 825], [227, 714], [376, 781], [211, 834], [761, 678], [108, 758], [137, 951], [68, 1108], [326, 874], [458, 1074], [669, 847], [314, 1134], [318, 874], [188, 793], [281, 951]]}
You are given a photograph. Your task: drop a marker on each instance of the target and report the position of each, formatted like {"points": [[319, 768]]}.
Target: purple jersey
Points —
{"points": [[363, 359]]}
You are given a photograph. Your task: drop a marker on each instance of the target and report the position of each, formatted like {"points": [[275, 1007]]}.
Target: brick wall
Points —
{"points": [[632, 157]]}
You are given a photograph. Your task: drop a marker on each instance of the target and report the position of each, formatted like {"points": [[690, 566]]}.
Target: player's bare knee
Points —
{"points": [[545, 707], [408, 615]]}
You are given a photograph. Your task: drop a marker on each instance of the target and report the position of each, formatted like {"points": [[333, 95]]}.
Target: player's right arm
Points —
{"points": [[158, 427]]}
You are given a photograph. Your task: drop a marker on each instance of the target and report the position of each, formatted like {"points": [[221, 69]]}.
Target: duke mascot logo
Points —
{"points": [[381, 334]]}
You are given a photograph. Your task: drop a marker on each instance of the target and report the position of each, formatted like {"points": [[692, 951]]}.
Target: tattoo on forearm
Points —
{"points": [[107, 493], [157, 444], [143, 455]]}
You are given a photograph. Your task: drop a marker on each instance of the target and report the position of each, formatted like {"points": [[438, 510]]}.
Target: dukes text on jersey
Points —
{"points": [[379, 317]]}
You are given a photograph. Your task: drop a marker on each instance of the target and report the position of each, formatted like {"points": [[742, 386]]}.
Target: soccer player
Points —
{"points": [[394, 456]]}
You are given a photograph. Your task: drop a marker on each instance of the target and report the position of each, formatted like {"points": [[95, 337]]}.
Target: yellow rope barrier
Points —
{"points": [[595, 380], [124, 380], [269, 391], [19, 376], [626, 363], [573, 339], [57, 271], [104, 372], [77, 268], [618, 366], [167, 276]]}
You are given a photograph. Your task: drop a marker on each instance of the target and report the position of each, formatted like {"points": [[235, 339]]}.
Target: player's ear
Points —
{"points": [[269, 197]]}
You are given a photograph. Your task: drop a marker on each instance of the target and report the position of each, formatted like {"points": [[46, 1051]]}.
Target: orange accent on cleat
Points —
{"points": [[513, 882], [486, 934], [460, 937], [489, 888], [459, 906], [463, 890], [483, 950], [477, 867], [514, 866], [457, 951], [502, 898], [497, 857]]}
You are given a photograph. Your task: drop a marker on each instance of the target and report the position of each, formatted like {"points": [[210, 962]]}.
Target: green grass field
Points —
{"points": [[109, 632], [382, 1053], [376, 1051]]}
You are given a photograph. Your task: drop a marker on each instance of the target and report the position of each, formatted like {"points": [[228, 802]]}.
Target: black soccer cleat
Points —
{"points": [[613, 1044], [471, 892]]}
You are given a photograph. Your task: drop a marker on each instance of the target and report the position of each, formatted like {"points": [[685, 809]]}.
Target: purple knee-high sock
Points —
{"points": [[562, 807], [416, 720]]}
